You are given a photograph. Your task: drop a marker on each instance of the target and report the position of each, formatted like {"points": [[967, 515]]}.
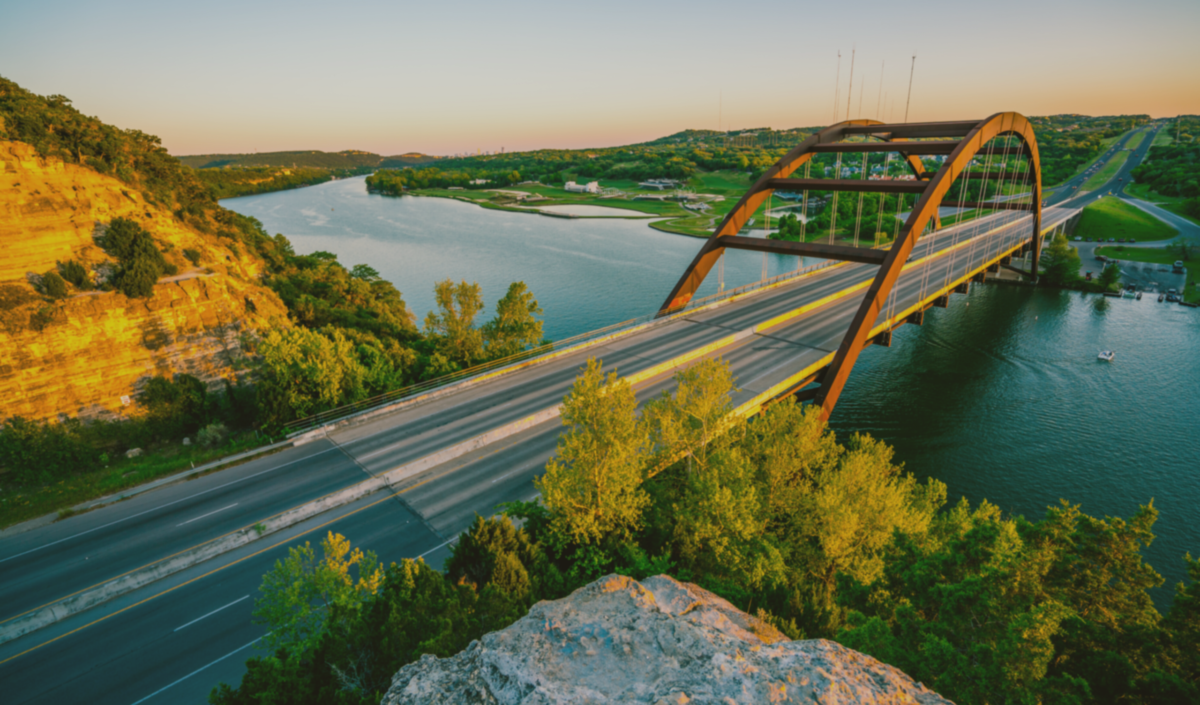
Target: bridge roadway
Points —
{"points": [[183, 634]]}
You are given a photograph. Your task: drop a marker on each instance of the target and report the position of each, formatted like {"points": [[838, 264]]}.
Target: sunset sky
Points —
{"points": [[442, 78]]}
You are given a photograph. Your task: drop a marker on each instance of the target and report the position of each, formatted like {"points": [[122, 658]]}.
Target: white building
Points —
{"points": [[589, 187]]}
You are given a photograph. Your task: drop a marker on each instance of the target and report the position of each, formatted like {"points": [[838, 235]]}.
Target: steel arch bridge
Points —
{"points": [[1004, 135]]}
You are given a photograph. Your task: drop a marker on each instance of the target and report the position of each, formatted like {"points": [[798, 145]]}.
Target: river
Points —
{"points": [[999, 396]]}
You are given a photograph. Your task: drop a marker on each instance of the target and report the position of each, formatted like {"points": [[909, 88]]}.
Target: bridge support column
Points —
{"points": [[964, 288], [884, 339], [942, 301], [916, 318]]}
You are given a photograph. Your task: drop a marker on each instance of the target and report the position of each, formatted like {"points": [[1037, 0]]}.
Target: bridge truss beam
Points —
{"points": [[974, 138]]}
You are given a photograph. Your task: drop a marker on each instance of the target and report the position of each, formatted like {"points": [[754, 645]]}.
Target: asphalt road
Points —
{"points": [[1151, 277], [173, 640]]}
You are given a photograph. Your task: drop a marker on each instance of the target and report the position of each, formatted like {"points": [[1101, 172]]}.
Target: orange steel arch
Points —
{"points": [[974, 136]]}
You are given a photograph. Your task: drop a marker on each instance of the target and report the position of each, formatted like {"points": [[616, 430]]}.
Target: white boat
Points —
{"points": [[1107, 355]]}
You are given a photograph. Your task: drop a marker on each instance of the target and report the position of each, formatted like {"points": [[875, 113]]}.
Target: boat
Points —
{"points": [[1139, 296], [1161, 297], [1107, 355]]}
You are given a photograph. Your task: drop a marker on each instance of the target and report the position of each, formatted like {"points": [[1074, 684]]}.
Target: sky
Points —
{"points": [[454, 77]]}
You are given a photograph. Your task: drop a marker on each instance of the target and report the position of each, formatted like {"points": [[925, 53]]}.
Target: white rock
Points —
{"points": [[133, 452], [660, 641], [187, 441]]}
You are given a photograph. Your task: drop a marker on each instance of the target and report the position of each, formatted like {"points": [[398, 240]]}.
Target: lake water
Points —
{"points": [[586, 273], [999, 396]]}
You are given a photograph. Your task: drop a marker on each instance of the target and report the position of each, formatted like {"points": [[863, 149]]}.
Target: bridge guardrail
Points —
{"points": [[522, 359]]}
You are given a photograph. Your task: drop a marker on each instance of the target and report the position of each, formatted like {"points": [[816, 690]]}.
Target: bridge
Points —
{"points": [[149, 599]]}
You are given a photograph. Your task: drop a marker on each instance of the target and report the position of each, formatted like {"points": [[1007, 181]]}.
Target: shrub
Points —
{"points": [[141, 262], [192, 256], [40, 452], [212, 435], [54, 286], [77, 274]]}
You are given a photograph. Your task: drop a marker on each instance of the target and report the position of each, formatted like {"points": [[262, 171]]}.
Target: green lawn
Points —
{"points": [[1135, 141], [1107, 172], [19, 504], [1154, 255], [1110, 217], [1164, 138]]}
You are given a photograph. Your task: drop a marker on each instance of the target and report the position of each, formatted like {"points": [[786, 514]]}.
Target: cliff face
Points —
{"points": [[80, 356], [659, 641]]}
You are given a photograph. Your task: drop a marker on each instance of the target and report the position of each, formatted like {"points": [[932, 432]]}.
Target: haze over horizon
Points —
{"points": [[393, 78]]}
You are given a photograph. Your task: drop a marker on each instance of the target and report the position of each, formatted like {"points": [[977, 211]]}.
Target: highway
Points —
{"points": [[173, 640]]}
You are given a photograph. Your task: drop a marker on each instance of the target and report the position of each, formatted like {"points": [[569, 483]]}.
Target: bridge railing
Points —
{"points": [[540, 353]]}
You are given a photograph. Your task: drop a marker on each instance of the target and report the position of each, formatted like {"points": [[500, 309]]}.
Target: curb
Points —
{"points": [[138, 578], [46, 519]]}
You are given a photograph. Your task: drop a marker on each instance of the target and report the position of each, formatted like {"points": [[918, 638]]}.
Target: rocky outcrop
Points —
{"points": [[658, 641], [89, 355]]}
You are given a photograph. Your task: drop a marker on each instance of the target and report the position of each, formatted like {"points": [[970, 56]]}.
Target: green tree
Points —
{"points": [[302, 592], [303, 372], [54, 286], [1060, 262], [592, 486], [1110, 276], [77, 274], [364, 272], [452, 327], [516, 326]]}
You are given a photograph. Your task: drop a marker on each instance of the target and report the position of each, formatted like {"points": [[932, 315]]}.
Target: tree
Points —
{"points": [[592, 485], [452, 328], [364, 272], [1110, 275], [303, 372], [77, 274], [54, 286], [301, 593], [515, 327], [1060, 261], [685, 424]]}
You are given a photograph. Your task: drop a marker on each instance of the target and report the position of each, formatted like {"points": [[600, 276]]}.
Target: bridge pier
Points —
{"points": [[964, 288], [916, 318], [942, 301]]}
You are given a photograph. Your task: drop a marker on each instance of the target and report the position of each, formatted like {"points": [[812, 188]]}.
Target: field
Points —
{"points": [[1135, 141], [1163, 138], [1112, 218], [1154, 255], [1107, 172]]}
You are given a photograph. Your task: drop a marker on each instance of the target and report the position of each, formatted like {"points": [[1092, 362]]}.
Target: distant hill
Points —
{"points": [[346, 159]]}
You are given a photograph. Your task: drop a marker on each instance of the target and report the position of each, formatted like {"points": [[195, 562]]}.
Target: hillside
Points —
{"points": [[346, 159], [87, 349], [79, 356]]}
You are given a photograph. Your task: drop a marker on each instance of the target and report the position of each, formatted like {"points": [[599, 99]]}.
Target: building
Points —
{"points": [[478, 182], [660, 184], [589, 187]]}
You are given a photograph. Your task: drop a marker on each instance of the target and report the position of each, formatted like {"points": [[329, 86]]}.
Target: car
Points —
{"points": [[1087, 239], [1172, 291], [1074, 187], [1112, 239], [1078, 239], [1102, 258]]}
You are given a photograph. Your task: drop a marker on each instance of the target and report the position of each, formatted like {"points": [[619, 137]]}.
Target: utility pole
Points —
{"points": [[850, 89], [862, 85], [837, 85], [910, 81], [879, 102]]}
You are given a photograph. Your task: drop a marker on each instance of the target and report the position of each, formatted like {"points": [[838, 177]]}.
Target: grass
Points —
{"points": [[19, 504], [1135, 141], [1113, 218], [1149, 255], [1163, 138], [1107, 172]]}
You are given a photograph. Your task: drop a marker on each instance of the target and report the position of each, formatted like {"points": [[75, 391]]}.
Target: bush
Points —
{"points": [[192, 256], [141, 262], [40, 452], [54, 286], [212, 435], [77, 274]]}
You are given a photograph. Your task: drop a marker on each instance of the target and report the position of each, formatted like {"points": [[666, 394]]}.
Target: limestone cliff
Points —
{"points": [[659, 641], [80, 356]]}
